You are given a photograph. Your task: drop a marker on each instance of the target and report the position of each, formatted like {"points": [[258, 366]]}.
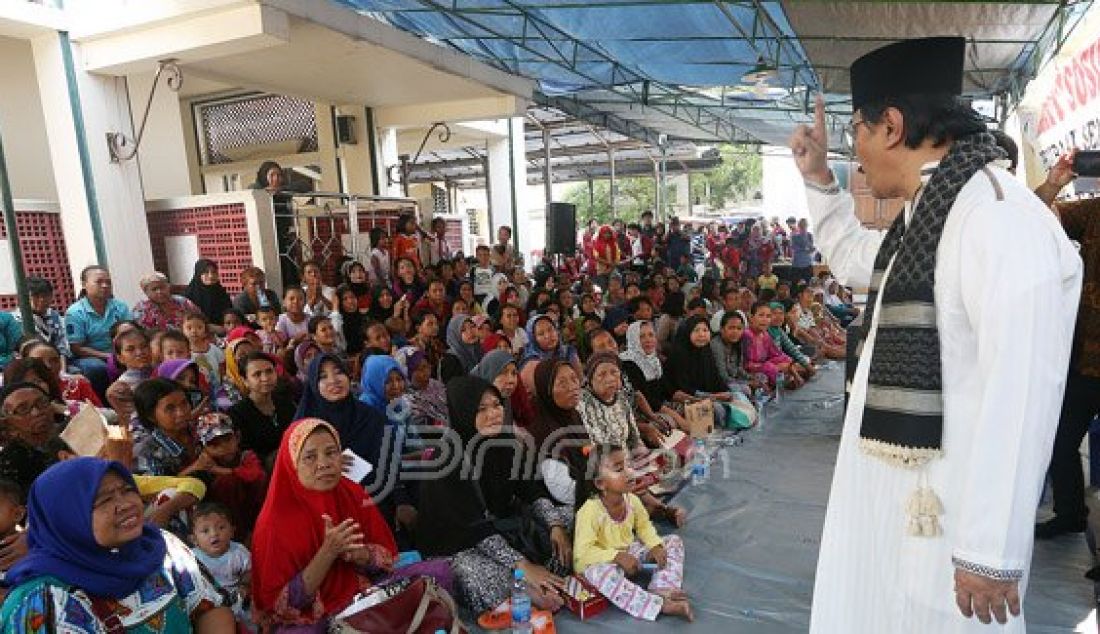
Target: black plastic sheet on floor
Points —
{"points": [[754, 530]]}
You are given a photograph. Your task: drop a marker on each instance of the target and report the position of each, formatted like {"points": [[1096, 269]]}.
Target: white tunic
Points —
{"points": [[1007, 286]]}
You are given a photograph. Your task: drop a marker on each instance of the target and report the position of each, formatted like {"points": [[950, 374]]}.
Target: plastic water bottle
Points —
{"points": [[780, 382], [521, 604], [700, 466], [761, 401]]}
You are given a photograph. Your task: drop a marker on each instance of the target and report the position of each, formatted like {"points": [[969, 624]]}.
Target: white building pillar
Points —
{"points": [[508, 204], [88, 183], [389, 162]]}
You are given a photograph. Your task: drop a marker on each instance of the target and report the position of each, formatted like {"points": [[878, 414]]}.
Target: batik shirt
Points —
{"points": [[610, 424], [157, 454], [165, 603], [51, 329]]}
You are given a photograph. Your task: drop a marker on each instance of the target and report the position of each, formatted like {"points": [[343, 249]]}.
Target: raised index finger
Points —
{"points": [[819, 115]]}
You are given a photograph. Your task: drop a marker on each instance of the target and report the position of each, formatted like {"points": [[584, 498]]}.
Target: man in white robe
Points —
{"points": [[1007, 283]]}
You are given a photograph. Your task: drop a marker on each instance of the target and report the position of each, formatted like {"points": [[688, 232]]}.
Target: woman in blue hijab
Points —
{"points": [[382, 389], [93, 565]]}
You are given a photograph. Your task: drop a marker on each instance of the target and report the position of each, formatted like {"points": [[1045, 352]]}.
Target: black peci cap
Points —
{"points": [[927, 66]]}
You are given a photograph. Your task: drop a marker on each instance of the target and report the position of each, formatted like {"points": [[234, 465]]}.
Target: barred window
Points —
{"points": [[238, 129]]}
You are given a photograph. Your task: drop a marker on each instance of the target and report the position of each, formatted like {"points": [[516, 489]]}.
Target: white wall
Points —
{"points": [[22, 124], [163, 153], [784, 194]]}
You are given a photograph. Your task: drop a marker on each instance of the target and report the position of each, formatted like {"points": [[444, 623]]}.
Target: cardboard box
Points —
{"points": [[700, 417]]}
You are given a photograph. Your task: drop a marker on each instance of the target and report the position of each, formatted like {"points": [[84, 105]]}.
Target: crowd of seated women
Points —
{"points": [[230, 488]]}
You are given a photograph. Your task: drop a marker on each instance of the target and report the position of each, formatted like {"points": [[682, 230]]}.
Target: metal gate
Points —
{"points": [[316, 226]]}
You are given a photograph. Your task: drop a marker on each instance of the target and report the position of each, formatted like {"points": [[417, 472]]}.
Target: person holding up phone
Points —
{"points": [[1081, 220]]}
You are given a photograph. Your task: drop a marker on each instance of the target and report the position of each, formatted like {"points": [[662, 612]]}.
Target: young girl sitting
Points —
{"points": [[294, 323], [613, 537], [274, 342], [762, 356], [209, 357]]}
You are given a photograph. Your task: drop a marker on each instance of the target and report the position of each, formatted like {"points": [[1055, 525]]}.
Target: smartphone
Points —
{"points": [[1086, 162]]}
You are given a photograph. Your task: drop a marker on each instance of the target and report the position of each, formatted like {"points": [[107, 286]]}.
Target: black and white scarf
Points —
{"points": [[903, 413]]}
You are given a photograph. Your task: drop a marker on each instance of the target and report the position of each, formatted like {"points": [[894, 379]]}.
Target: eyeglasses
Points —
{"points": [[848, 136], [39, 406]]}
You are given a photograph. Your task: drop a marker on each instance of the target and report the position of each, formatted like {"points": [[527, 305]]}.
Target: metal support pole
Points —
{"points": [[82, 149], [591, 197], [657, 190], [547, 173], [512, 185], [663, 172], [488, 192], [611, 194], [691, 201], [353, 225], [13, 244]]}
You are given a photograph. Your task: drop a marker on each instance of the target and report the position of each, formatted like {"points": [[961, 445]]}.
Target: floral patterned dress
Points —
{"points": [[166, 603], [156, 317]]}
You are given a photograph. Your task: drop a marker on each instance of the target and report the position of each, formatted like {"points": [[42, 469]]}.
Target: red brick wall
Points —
{"points": [[44, 255], [222, 232]]}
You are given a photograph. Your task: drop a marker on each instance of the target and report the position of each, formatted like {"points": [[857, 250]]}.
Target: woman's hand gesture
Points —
{"points": [[341, 538]]}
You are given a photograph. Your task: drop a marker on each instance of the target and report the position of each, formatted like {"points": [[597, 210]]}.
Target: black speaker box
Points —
{"points": [[561, 229]]}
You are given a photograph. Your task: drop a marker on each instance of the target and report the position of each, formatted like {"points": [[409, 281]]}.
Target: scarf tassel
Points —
{"points": [[924, 509]]}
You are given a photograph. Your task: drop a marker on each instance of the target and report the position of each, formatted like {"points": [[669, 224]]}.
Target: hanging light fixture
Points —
{"points": [[761, 73]]}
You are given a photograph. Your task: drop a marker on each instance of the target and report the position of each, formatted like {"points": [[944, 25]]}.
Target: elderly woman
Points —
{"points": [[643, 374], [93, 566], [161, 310], [319, 539], [254, 292], [27, 423], [466, 511], [607, 414], [88, 324]]}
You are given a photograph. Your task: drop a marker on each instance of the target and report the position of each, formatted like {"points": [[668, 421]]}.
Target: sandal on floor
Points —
{"points": [[499, 618], [542, 621]]}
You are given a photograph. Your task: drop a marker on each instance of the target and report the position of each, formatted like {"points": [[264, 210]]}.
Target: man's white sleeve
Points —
{"points": [[847, 246], [1019, 293]]}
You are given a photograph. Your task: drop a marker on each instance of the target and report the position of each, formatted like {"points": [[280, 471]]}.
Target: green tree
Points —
{"points": [[737, 178], [634, 196]]}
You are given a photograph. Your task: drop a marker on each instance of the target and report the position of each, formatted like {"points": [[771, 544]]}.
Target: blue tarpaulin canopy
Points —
{"points": [[678, 67]]}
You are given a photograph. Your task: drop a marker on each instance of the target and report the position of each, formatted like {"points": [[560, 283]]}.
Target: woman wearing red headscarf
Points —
{"points": [[605, 248], [319, 537]]}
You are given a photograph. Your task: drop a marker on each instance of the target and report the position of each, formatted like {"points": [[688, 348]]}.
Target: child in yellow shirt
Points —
{"points": [[613, 537], [767, 279]]}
